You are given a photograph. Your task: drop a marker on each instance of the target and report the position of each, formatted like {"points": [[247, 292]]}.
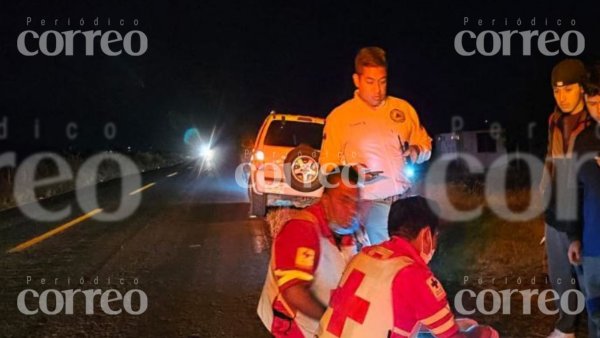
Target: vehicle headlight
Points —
{"points": [[206, 152]]}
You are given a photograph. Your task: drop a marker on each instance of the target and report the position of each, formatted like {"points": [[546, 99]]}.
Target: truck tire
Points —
{"points": [[301, 168], [258, 204]]}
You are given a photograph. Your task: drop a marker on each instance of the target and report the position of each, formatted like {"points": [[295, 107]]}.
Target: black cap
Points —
{"points": [[568, 71]]}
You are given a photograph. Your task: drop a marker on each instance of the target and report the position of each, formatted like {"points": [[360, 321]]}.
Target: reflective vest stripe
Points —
{"points": [[327, 274], [288, 275], [399, 331], [436, 317], [444, 327]]}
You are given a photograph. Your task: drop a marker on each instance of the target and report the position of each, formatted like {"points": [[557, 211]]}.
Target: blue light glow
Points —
{"points": [[409, 171]]}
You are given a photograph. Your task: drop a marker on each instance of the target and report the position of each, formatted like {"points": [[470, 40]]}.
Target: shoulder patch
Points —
{"points": [[379, 252], [305, 258], [436, 288], [397, 115]]}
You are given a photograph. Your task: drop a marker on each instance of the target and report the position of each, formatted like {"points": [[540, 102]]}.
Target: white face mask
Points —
{"points": [[427, 257]]}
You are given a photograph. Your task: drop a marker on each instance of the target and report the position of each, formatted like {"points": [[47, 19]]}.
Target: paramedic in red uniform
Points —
{"points": [[380, 132], [360, 307], [308, 257]]}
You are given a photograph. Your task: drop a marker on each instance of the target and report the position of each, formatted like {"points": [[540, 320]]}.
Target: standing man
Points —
{"points": [[564, 125], [388, 291], [379, 133], [308, 258], [585, 248]]}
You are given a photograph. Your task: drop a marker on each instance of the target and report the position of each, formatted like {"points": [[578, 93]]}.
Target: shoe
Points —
{"points": [[559, 334]]}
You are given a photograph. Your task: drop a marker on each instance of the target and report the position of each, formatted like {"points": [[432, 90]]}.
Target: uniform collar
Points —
{"points": [[403, 247], [318, 210]]}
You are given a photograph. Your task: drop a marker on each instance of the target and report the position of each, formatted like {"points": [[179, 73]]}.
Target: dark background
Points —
{"points": [[225, 65]]}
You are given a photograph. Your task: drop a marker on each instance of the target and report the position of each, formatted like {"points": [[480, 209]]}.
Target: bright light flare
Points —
{"points": [[409, 171], [207, 153], [259, 156]]}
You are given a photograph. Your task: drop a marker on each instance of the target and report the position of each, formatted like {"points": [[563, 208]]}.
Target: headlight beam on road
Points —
{"points": [[141, 189], [53, 232]]}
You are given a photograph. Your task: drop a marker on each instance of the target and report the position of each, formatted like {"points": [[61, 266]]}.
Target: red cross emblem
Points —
{"points": [[346, 304]]}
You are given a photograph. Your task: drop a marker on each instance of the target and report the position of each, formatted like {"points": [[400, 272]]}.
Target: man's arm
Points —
{"points": [[417, 294], [419, 142], [575, 228], [545, 181], [331, 147], [301, 298], [296, 256]]}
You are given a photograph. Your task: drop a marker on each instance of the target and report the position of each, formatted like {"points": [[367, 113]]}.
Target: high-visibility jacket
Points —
{"points": [[331, 263], [357, 133], [373, 302]]}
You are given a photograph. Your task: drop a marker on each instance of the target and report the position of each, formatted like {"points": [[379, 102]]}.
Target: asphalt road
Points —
{"points": [[188, 247]]}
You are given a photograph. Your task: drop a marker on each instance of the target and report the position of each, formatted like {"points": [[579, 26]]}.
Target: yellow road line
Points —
{"points": [[172, 174], [53, 232], [141, 189]]}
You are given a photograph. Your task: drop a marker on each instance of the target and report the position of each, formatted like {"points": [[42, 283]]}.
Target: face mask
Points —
{"points": [[427, 257], [342, 231]]}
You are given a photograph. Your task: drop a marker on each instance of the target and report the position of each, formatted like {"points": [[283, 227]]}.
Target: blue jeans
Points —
{"points": [[591, 287], [561, 274], [376, 221]]}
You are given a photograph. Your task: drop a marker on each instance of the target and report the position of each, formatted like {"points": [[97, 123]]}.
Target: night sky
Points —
{"points": [[226, 65]]}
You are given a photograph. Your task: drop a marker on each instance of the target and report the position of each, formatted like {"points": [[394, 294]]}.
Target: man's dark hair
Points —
{"points": [[342, 174], [369, 57], [410, 215], [591, 85]]}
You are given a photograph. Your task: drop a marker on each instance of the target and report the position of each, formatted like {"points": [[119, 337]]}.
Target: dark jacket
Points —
{"points": [[556, 156], [587, 146]]}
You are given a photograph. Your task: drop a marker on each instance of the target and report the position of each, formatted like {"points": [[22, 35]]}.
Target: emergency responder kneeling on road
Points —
{"points": [[308, 257], [361, 307]]}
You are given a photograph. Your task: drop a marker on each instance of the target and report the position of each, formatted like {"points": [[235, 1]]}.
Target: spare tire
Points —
{"points": [[301, 168]]}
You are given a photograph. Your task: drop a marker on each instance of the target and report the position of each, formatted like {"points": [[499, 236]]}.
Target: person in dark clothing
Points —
{"points": [[564, 125], [584, 250]]}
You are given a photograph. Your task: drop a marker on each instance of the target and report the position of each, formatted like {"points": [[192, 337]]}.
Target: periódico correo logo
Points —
{"points": [[133, 302], [487, 39], [69, 42]]}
